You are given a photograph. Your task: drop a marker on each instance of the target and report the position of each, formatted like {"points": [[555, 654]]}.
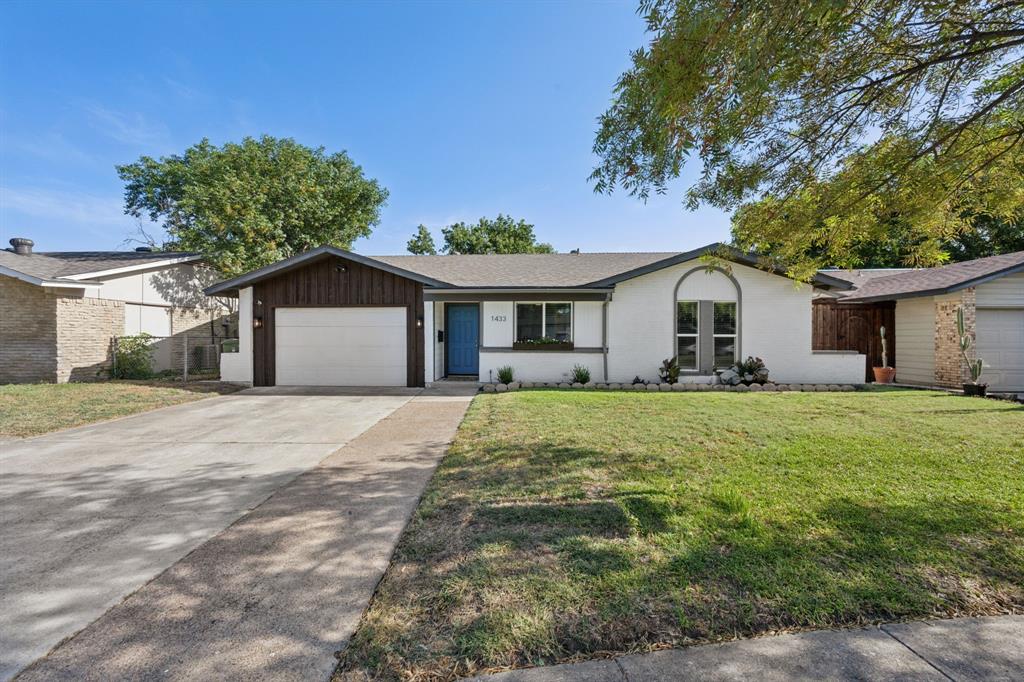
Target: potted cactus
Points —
{"points": [[884, 374], [974, 366]]}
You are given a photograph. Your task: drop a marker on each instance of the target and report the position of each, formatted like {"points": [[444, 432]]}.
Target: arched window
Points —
{"points": [[706, 304]]}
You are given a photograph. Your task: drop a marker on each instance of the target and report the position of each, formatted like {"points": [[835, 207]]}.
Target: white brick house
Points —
{"points": [[331, 317]]}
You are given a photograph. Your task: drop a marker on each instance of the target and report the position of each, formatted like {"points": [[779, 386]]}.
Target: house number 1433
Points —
{"points": [[498, 318]]}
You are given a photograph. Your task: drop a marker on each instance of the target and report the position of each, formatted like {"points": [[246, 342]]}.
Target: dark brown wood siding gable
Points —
{"points": [[854, 326], [334, 281]]}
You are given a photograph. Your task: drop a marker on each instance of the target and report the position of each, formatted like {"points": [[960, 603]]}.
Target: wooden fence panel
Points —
{"points": [[837, 326]]}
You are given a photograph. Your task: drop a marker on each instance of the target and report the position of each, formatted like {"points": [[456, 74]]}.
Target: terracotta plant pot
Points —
{"points": [[978, 390], [884, 375]]}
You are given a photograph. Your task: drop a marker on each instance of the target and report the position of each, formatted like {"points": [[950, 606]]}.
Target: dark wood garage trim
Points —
{"points": [[333, 281]]}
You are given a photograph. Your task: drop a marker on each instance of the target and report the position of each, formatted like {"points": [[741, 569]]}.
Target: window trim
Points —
{"points": [[695, 336], [674, 349], [734, 336], [543, 318]]}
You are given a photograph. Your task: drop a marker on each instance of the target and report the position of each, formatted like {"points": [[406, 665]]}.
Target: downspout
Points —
{"points": [[604, 332]]}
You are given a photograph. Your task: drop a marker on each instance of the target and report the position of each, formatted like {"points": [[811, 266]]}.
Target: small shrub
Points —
{"points": [[506, 375], [580, 374], [750, 371], [133, 358], [638, 380], [669, 372]]}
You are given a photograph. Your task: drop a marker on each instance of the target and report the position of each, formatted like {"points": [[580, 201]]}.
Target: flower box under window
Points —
{"points": [[542, 344]]}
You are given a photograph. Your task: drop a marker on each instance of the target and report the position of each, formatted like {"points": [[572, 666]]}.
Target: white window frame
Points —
{"points": [[734, 336], [695, 336], [543, 317]]}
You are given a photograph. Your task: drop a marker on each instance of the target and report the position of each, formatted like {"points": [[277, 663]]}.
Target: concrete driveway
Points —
{"points": [[91, 514]]}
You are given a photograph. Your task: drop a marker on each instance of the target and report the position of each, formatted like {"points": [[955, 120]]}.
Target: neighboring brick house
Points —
{"points": [[991, 293], [60, 311]]}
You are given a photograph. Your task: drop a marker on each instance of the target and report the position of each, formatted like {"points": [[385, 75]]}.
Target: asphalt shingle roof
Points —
{"points": [[524, 270], [930, 281], [859, 278], [57, 264], [511, 271]]}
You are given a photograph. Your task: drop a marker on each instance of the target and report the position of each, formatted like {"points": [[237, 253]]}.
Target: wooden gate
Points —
{"points": [[838, 326]]}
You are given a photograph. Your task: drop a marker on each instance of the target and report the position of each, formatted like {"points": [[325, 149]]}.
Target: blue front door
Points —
{"points": [[463, 331]]}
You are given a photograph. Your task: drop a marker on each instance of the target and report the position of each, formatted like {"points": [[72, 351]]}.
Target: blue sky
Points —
{"points": [[460, 109]]}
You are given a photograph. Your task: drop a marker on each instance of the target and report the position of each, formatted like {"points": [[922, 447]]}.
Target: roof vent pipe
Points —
{"points": [[22, 246]]}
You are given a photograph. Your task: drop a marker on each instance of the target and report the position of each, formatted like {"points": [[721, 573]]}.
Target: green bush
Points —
{"points": [[133, 357], [505, 374], [580, 374]]}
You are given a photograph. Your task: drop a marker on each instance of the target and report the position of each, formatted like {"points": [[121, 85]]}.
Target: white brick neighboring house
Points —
{"points": [[59, 311]]}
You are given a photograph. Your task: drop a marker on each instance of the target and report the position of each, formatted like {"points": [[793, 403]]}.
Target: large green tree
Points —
{"points": [[245, 205], [503, 234], [835, 113], [990, 237], [889, 245]]}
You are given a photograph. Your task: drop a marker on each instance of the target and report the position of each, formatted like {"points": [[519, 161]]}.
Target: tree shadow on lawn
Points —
{"points": [[546, 580]]}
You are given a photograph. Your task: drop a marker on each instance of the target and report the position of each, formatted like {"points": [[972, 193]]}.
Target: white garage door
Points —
{"points": [[1000, 336], [340, 346]]}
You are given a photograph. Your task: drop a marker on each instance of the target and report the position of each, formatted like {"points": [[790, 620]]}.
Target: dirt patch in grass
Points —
{"points": [[35, 409], [564, 525]]}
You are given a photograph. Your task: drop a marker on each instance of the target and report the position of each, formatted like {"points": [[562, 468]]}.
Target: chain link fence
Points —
{"points": [[185, 357]]}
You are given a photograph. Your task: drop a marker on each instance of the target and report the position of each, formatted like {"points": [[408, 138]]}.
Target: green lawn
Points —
{"points": [[564, 525], [34, 409]]}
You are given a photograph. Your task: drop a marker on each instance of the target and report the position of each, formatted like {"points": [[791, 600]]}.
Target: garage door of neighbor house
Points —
{"points": [[343, 346], [1000, 334]]}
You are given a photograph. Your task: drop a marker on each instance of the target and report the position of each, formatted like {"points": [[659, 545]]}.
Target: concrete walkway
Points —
{"points": [[279, 592], [961, 649]]}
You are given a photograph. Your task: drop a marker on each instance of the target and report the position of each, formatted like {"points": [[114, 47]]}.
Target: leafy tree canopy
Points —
{"points": [[990, 237], [837, 116], [253, 203], [503, 234], [422, 243], [987, 236]]}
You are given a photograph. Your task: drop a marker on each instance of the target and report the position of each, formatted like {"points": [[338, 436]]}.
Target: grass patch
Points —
{"points": [[34, 409], [563, 525]]}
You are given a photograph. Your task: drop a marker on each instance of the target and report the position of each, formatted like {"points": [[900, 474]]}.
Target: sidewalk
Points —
{"points": [[958, 649]]}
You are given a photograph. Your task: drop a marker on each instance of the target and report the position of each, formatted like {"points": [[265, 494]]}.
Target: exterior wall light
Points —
{"points": [[257, 323]]}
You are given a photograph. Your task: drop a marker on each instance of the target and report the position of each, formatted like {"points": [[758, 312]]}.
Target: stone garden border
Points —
{"points": [[673, 388]]}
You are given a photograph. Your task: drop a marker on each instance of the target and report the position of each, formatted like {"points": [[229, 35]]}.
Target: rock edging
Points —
{"points": [[666, 388]]}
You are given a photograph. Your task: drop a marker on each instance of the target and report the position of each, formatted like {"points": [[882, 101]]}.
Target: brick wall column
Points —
{"points": [[950, 369], [28, 333], [86, 328]]}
